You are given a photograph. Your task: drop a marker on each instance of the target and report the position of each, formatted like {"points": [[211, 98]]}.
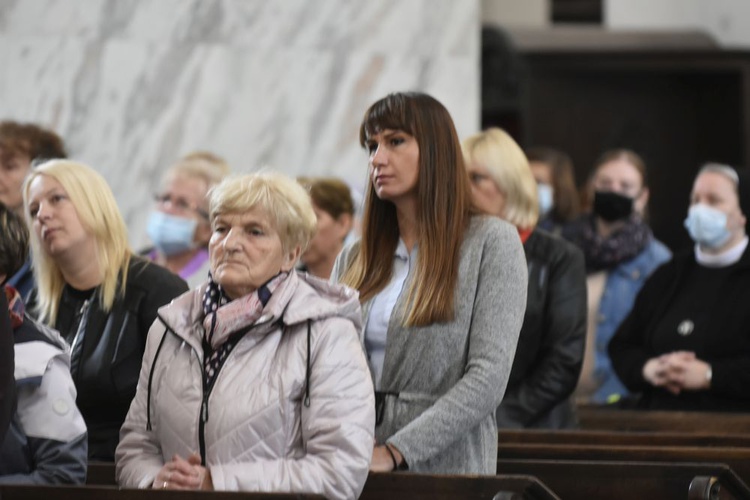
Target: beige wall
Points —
{"points": [[728, 21], [526, 13]]}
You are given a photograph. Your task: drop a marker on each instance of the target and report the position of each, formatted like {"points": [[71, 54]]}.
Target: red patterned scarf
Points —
{"points": [[15, 306]]}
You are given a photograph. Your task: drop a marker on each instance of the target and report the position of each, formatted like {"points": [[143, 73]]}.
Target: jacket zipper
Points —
{"points": [[204, 403], [203, 420]]}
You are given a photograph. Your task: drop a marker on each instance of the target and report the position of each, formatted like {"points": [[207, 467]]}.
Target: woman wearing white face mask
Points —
{"points": [[685, 344]]}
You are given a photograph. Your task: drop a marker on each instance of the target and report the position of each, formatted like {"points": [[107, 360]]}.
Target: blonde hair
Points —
{"points": [[203, 165], [506, 162], [97, 210], [284, 200]]}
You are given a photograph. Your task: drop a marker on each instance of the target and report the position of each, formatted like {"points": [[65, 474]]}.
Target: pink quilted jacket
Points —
{"points": [[258, 433]]}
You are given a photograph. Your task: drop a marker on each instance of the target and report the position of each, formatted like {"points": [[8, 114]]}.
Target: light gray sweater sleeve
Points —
{"points": [[497, 313]]}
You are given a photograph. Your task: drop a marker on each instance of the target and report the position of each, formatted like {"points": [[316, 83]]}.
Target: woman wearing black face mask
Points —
{"points": [[621, 252]]}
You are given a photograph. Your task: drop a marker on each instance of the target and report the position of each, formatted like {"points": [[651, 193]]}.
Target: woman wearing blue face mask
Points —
{"points": [[178, 226], [559, 204], [686, 343]]}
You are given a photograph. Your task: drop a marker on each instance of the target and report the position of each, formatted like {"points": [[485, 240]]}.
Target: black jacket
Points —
{"points": [[551, 344], [7, 382], [106, 357], [726, 348]]}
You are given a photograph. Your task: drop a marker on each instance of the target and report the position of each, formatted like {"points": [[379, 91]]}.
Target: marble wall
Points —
{"points": [[133, 84]]}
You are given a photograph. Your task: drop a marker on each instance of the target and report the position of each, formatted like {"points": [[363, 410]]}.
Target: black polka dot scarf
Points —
{"points": [[226, 321]]}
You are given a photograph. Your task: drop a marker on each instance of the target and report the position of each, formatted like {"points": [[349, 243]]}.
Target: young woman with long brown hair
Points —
{"points": [[443, 293]]}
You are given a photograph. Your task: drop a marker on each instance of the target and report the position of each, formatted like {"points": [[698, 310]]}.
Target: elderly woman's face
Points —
{"points": [[716, 191], [328, 239], [55, 221], [245, 252]]}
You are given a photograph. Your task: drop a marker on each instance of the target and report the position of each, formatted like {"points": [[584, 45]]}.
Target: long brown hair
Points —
{"points": [[443, 210]]}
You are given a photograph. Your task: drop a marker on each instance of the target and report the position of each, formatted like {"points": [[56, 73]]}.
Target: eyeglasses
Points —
{"points": [[181, 204]]}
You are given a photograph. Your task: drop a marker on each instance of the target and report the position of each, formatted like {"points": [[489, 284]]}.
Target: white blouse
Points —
{"points": [[376, 329]]}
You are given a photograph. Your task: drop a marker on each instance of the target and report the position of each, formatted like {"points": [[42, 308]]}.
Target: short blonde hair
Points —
{"points": [[506, 162], [284, 200], [97, 210], [208, 167]]}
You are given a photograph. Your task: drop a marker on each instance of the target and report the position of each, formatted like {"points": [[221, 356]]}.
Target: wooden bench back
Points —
{"points": [[597, 418], [613, 480]]}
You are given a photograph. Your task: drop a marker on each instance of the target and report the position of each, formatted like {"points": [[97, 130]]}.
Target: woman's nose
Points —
{"points": [[43, 213], [232, 240], [379, 157]]}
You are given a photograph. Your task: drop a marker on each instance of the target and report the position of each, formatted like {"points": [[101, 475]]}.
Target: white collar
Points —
{"points": [[725, 258], [401, 252]]}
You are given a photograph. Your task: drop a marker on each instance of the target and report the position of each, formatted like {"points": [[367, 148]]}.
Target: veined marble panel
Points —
{"points": [[133, 84]]}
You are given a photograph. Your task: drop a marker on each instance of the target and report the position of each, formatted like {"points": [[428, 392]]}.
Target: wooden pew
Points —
{"points": [[589, 437], [101, 474], [402, 486], [613, 480], [408, 486], [112, 493], [736, 458], [597, 418]]}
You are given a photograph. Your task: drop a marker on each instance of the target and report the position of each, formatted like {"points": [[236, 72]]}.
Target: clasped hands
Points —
{"points": [[181, 474], [677, 371]]}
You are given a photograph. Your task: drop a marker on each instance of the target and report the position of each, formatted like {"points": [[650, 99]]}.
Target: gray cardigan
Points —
{"points": [[450, 377]]}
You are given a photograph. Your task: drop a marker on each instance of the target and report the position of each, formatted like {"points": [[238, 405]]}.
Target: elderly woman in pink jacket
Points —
{"points": [[256, 381]]}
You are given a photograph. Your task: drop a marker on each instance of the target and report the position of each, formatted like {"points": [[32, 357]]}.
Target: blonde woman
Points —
{"points": [[443, 291], [92, 290], [551, 345]]}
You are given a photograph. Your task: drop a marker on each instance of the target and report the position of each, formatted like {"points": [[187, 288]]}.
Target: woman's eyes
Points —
{"points": [[392, 141], [253, 231], [53, 199], [477, 178]]}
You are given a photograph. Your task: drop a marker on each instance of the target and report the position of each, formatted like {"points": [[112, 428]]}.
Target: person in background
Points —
{"points": [[551, 345], [7, 365], [100, 297], [46, 443], [178, 226], [20, 145], [686, 343], [559, 202], [334, 208], [443, 291], [256, 381], [621, 253]]}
